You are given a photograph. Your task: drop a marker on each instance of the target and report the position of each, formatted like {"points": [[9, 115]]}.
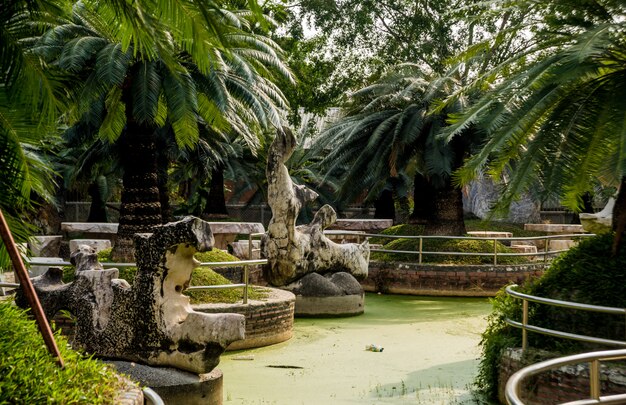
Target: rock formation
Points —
{"points": [[295, 251], [150, 322]]}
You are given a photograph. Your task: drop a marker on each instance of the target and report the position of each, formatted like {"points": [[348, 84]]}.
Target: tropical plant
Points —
{"points": [[390, 130], [554, 112], [29, 103], [222, 82]]}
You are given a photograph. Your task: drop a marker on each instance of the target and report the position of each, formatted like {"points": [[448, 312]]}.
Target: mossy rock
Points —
{"points": [[30, 374], [200, 276]]}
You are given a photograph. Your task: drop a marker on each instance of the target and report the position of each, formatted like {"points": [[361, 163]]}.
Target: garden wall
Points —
{"points": [[449, 280], [565, 384]]}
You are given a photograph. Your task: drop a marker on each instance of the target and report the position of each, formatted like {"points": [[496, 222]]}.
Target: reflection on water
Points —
{"points": [[429, 357]]}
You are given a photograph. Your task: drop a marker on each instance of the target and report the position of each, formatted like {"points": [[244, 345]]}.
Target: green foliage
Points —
{"points": [[588, 274], [200, 276], [552, 114], [30, 374], [442, 245]]}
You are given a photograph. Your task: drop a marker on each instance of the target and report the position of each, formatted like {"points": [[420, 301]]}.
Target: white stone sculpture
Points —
{"points": [[295, 251], [600, 222]]}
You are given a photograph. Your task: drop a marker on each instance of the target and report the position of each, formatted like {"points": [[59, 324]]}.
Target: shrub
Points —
{"points": [[445, 245], [30, 374], [588, 274]]}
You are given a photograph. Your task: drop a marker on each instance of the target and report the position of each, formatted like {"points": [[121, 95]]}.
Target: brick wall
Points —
{"points": [[267, 322], [565, 384], [453, 280]]}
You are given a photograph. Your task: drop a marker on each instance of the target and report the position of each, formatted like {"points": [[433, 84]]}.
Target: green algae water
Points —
{"points": [[430, 356]]}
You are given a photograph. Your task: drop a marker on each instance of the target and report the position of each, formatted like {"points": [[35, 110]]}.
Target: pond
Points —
{"points": [[430, 356]]}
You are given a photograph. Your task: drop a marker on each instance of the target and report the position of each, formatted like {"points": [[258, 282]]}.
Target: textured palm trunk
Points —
{"points": [[448, 214], [140, 210], [216, 204], [162, 182], [384, 206], [423, 201]]}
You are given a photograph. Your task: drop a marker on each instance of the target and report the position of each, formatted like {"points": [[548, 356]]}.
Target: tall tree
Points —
{"points": [[30, 101], [556, 113], [211, 69], [390, 130]]}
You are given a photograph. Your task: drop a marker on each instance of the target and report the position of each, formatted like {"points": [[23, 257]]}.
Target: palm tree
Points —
{"points": [[29, 103], [173, 83], [390, 130], [555, 113]]}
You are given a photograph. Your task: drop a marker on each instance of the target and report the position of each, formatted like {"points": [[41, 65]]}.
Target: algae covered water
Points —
{"points": [[429, 356]]}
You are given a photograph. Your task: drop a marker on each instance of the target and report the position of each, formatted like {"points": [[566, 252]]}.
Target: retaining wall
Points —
{"points": [[267, 322], [449, 280]]}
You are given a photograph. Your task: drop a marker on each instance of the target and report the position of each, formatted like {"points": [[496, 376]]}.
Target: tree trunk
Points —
{"points": [[140, 210], [448, 218], [216, 204], [423, 201], [162, 180], [619, 216], [384, 206]]}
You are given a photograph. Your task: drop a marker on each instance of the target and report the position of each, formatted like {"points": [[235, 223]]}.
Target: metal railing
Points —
{"points": [[525, 326], [514, 384], [421, 253], [151, 397], [244, 263]]}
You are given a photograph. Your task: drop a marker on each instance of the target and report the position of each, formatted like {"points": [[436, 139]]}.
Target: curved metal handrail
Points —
{"points": [[152, 397], [514, 384], [525, 326]]}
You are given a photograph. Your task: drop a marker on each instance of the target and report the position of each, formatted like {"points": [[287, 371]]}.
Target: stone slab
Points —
{"points": [[98, 244], [89, 227], [366, 225], [45, 246], [175, 386], [555, 228], [490, 234], [45, 264], [225, 233]]}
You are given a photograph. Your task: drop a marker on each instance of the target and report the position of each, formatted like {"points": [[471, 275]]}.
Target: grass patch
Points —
{"points": [[200, 276], [30, 374]]}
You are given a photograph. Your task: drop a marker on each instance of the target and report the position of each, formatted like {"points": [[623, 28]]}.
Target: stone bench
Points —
{"points": [[365, 225], [89, 230], [555, 229], [226, 232], [45, 264], [490, 234], [338, 236]]}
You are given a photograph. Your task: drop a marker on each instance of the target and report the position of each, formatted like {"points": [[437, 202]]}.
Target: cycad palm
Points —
{"points": [[28, 108], [168, 85], [390, 130], [560, 120]]}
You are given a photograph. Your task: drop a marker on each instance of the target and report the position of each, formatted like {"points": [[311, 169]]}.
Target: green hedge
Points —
{"points": [[587, 273], [440, 245], [30, 375]]}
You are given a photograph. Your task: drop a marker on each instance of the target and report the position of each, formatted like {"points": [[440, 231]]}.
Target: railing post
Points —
{"points": [[249, 246], [594, 379], [524, 323], [545, 252], [495, 251], [420, 255], [245, 281]]}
